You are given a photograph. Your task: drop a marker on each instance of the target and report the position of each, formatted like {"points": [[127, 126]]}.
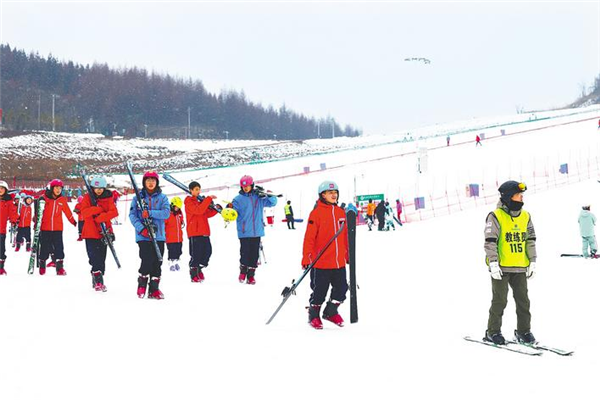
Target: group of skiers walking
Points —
{"points": [[385, 215]]}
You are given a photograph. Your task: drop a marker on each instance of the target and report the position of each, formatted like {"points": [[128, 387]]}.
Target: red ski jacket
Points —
{"points": [[92, 216], [8, 212], [174, 227], [196, 215], [77, 210], [25, 216], [53, 210], [323, 222]]}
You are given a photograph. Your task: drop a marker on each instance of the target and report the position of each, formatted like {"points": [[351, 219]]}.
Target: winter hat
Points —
{"points": [[586, 207], [509, 188]]}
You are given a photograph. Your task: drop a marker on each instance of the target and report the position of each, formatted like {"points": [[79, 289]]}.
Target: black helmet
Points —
{"points": [[509, 188]]}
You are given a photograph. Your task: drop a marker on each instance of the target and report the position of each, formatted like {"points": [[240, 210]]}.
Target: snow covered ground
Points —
{"points": [[422, 288]]}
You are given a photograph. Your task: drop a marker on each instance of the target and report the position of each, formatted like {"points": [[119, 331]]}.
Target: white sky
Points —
{"points": [[341, 59]]}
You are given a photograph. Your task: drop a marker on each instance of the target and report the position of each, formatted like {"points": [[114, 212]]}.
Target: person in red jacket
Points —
{"points": [[8, 212], [174, 231], [77, 210], [323, 223], [197, 213], [24, 232], [93, 216], [51, 240]]}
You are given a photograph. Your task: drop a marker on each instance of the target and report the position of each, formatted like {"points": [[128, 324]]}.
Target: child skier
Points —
{"points": [[8, 213], [587, 221], [249, 205], [399, 211], [324, 221], [77, 210], [197, 213], [389, 217], [174, 233], [24, 232], [51, 239], [511, 255], [93, 216], [157, 212]]}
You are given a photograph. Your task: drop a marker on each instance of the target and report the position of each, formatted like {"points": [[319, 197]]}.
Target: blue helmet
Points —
{"points": [[98, 182], [328, 185]]}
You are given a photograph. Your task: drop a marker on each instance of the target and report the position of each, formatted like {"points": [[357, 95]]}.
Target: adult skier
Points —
{"points": [[249, 205], [380, 212], [8, 213], [510, 255], [289, 214], [587, 222]]}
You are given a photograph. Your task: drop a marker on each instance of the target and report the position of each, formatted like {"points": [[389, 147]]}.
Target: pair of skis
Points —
{"points": [[35, 245], [580, 255], [351, 227], [107, 237], [535, 349]]}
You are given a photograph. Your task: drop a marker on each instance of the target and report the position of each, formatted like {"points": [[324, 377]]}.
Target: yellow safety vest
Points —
{"points": [[512, 246], [287, 209]]}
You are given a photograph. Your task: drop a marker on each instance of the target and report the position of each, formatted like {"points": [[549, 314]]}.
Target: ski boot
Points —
{"points": [[495, 338], [2, 270], [330, 313], [196, 274], [525, 338], [142, 283], [313, 316], [155, 293], [42, 267], [250, 278], [171, 265], [243, 273], [17, 247], [60, 269], [98, 281], [28, 247]]}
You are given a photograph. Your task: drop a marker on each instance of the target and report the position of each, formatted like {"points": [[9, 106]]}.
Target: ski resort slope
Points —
{"points": [[422, 288]]}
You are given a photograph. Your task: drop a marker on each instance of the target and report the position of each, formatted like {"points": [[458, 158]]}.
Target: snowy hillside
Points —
{"points": [[422, 288]]}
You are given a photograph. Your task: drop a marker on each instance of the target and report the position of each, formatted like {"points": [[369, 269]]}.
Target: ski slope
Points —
{"points": [[422, 288]]}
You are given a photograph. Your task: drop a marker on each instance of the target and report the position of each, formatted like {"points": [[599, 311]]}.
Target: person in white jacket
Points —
{"points": [[587, 222]]}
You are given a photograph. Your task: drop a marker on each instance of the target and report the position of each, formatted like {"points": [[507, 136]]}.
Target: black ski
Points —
{"points": [[107, 237], [579, 255], [261, 191], [351, 224], [148, 224], [288, 291]]}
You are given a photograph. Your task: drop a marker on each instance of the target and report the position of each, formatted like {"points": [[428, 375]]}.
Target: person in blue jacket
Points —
{"points": [[249, 205], [158, 211]]}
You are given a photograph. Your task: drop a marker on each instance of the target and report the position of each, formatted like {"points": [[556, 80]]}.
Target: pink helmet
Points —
{"points": [[246, 180], [150, 174], [55, 182], [79, 199]]}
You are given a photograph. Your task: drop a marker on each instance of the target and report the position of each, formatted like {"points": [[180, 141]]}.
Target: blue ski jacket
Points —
{"points": [[249, 207], [158, 206]]}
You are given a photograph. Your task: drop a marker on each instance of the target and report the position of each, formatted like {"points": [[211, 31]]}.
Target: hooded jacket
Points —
{"points": [[8, 212], [249, 207], [54, 209], [587, 221], [324, 221], [92, 216], [158, 206]]}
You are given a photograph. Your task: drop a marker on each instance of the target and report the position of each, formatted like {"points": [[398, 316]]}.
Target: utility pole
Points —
{"points": [[39, 111], [332, 128], [319, 129], [189, 124], [53, 120]]}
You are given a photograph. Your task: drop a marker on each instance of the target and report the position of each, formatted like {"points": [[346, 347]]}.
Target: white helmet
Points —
{"points": [[4, 185]]}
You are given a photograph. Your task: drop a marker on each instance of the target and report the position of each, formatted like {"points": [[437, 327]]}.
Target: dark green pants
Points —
{"points": [[518, 283]]}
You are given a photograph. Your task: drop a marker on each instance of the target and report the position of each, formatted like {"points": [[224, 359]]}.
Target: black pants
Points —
{"points": [[290, 220], [79, 227], [320, 279], [2, 246], [200, 251], [175, 250], [381, 222], [24, 235], [96, 250], [249, 248], [150, 264], [51, 242]]}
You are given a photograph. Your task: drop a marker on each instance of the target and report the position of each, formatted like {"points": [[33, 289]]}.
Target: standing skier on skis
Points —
{"points": [[157, 212], [8, 212], [93, 216], [24, 232], [510, 255], [197, 214], [324, 221], [587, 222], [174, 233], [249, 205], [51, 234]]}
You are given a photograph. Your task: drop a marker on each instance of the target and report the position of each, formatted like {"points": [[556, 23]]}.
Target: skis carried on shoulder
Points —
{"points": [[510, 346], [261, 191], [148, 224], [35, 245], [288, 291], [107, 237]]}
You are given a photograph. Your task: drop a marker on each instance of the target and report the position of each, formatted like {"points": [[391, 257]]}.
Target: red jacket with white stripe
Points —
{"points": [[324, 221], [8, 212], [53, 210], [92, 216], [25, 216], [197, 214], [174, 227]]}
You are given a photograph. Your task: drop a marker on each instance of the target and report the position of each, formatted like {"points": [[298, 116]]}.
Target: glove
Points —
{"points": [[495, 270], [74, 223], [304, 266], [144, 233], [530, 270], [145, 214]]}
